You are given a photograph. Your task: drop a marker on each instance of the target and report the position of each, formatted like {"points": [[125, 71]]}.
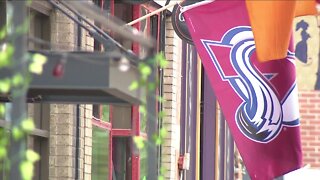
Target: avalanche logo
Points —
{"points": [[263, 111]]}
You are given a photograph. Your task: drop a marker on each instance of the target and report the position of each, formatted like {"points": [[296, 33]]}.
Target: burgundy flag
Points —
{"points": [[259, 100]]}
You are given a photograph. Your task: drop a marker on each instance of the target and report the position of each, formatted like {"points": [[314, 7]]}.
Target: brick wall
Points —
{"points": [[171, 86], [62, 145], [86, 139], [310, 127], [63, 117]]}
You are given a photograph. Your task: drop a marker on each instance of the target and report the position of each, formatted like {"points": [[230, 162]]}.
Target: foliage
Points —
{"points": [[145, 69], [7, 84]]}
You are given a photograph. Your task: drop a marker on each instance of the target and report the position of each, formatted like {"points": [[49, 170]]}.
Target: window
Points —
{"points": [[121, 158], [123, 11], [39, 138], [100, 153], [101, 131], [101, 112], [39, 29]]}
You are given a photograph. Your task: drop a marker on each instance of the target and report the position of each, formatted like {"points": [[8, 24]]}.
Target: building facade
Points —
{"points": [[95, 140]]}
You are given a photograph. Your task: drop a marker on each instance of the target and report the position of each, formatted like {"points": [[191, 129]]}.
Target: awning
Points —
{"points": [[90, 77]]}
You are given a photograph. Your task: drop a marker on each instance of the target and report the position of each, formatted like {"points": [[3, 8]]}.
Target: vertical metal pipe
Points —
{"points": [[77, 155], [208, 130], [152, 129], [111, 168], [18, 112], [222, 146], [183, 99], [229, 155], [191, 110], [161, 39], [183, 104]]}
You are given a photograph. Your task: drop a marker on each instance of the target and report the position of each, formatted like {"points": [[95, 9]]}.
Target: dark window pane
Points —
{"points": [[121, 157], [101, 112]]}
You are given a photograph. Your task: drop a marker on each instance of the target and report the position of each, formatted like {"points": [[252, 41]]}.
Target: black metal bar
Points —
{"points": [[153, 124], [102, 33], [77, 155], [162, 42], [112, 23], [18, 112], [97, 34], [152, 129]]}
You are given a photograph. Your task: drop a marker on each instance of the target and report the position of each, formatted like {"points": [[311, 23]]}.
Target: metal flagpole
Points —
{"points": [[150, 14]]}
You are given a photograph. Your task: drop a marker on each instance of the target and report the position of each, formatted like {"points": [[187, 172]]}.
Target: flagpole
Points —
{"points": [[151, 14]]}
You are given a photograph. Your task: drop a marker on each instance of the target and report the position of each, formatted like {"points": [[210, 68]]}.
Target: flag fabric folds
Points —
{"points": [[259, 99], [271, 22], [305, 7]]}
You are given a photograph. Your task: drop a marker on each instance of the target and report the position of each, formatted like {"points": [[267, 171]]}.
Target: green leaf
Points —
{"points": [[39, 58], [143, 110], [5, 85], [36, 66], [157, 139], [152, 86], [145, 70], [2, 109], [134, 85], [26, 169], [161, 60], [162, 170], [160, 99], [32, 156], [163, 132], [160, 177], [28, 2], [17, 133], [3, 152], [3, 140], [23, 28], [27, 125], [161, 114], [17, 79], [6, 55], [3, 32], [139, 141]]}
